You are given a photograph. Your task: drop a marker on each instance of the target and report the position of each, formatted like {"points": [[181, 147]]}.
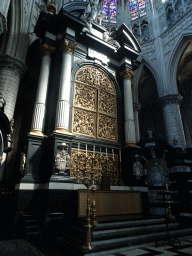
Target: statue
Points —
{"points": [[62, 160], [22, 163], [107, 38], [92, 10], [2, 101]]}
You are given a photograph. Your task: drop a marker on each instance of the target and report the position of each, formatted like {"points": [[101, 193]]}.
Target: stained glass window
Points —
{"points": [[137, 9], [110, 10]]}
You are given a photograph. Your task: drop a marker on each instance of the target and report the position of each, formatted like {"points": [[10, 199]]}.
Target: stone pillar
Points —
{"points": [[130, 139], [11, 71], [40, 103], [172, 119], [62, 113], [136, 109]]}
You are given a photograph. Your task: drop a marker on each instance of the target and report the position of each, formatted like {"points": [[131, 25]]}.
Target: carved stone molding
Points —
{"points": [[171, 99], [10, 63], [136, 106], [68, 47], [47, 50], [127, 74]]}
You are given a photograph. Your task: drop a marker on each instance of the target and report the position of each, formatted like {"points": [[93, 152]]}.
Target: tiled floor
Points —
{"points": [[185, 249]]}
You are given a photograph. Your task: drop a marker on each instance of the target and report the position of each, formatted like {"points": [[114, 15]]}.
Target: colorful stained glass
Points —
{"points": [[133, 9], [110, 10], [142, 8]]}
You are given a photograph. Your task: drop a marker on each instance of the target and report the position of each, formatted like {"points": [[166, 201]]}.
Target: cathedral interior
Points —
{"points": [[95, 121]]}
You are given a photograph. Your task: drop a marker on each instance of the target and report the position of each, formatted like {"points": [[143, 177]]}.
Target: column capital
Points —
{"points": [[127, 73], [171, 99], [47, 50], [13, 64], [68, 47], [136, 106]]}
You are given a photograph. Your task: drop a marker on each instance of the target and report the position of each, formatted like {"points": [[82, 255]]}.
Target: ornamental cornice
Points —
{"points": [[171, 99], [127, 74], [47, 50], [68, 47], [136, 106], [13, 64]]}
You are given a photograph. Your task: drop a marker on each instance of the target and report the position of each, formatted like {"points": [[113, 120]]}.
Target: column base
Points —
{"points": [[131, 144], [37, 132], [61, 130]]}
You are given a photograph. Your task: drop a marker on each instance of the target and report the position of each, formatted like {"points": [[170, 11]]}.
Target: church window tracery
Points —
{"points": [[137, 9], [94, 106]]}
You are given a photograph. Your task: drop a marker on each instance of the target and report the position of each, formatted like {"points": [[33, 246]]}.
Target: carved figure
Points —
{"points": [[107, 38], [22, 163], [138, 169], [2, 101], [62, 160], [93, 7]]}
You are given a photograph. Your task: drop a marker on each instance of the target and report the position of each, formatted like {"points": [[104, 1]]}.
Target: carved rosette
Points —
{"points": [[47, 50], [98, 163], [95, 104], [127, 74], [68, 47]]}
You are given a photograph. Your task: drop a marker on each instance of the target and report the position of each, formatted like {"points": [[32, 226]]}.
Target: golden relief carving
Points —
{"points": [[127, 73], [85, 96], [107, 103], [94, 94], [107, 127], [84, 122], [68, 47], [47, 50], [95, 77], [98, 164]]}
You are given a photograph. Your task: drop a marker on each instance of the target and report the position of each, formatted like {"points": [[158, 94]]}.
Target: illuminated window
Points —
{"points": [[137, 9], [110, 10]]}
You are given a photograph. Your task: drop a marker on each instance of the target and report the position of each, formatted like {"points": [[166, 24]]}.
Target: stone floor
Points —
{"points": [[19, 247]]}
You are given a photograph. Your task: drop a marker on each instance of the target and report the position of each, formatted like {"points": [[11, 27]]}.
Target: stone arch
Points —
{"points": [[174, 59], [79, 64], [150, 66], [145, 92]]}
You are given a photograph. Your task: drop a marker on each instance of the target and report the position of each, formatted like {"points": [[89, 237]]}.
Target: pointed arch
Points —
{"points": [[151, 67], [174, 58]]}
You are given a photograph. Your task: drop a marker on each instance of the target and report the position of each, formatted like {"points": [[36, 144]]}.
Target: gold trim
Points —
{"points": [[61, 130], [131, 144], [51, 7], [68, 47], [47, 50], [37, 132], [127, 74]]}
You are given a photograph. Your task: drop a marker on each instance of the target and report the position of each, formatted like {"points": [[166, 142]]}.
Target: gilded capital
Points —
{"points": [[127, 73], [47, 50], [68, 47]]}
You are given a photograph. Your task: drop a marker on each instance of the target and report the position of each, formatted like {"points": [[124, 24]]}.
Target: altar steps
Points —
{"points": [[117, 236]]}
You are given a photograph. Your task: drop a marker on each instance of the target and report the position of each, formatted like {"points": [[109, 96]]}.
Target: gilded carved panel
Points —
{"points": [[95, 77], [107, 128], [99, 164], [85, 96], [94, 108], [84, 122], [107, 103]]}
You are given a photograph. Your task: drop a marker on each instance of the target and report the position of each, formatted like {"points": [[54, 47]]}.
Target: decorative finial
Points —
{"points": [[51, 8]]}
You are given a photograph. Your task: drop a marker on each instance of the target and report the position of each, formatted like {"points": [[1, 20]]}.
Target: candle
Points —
{"points": [[120, 155], [113, 153], [93, 151], [100, 153], [106, 154], [86, 150], [78, 148]]}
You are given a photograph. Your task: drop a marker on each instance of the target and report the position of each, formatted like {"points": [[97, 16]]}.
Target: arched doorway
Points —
{"points": [[150, 115], [184, 83]]}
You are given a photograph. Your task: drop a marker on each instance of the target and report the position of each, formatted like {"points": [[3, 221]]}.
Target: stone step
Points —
{"points": [[98, 235], [113, 245]]}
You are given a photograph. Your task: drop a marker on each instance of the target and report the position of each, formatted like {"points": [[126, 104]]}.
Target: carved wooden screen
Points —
{"points": [[95, 104]]}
